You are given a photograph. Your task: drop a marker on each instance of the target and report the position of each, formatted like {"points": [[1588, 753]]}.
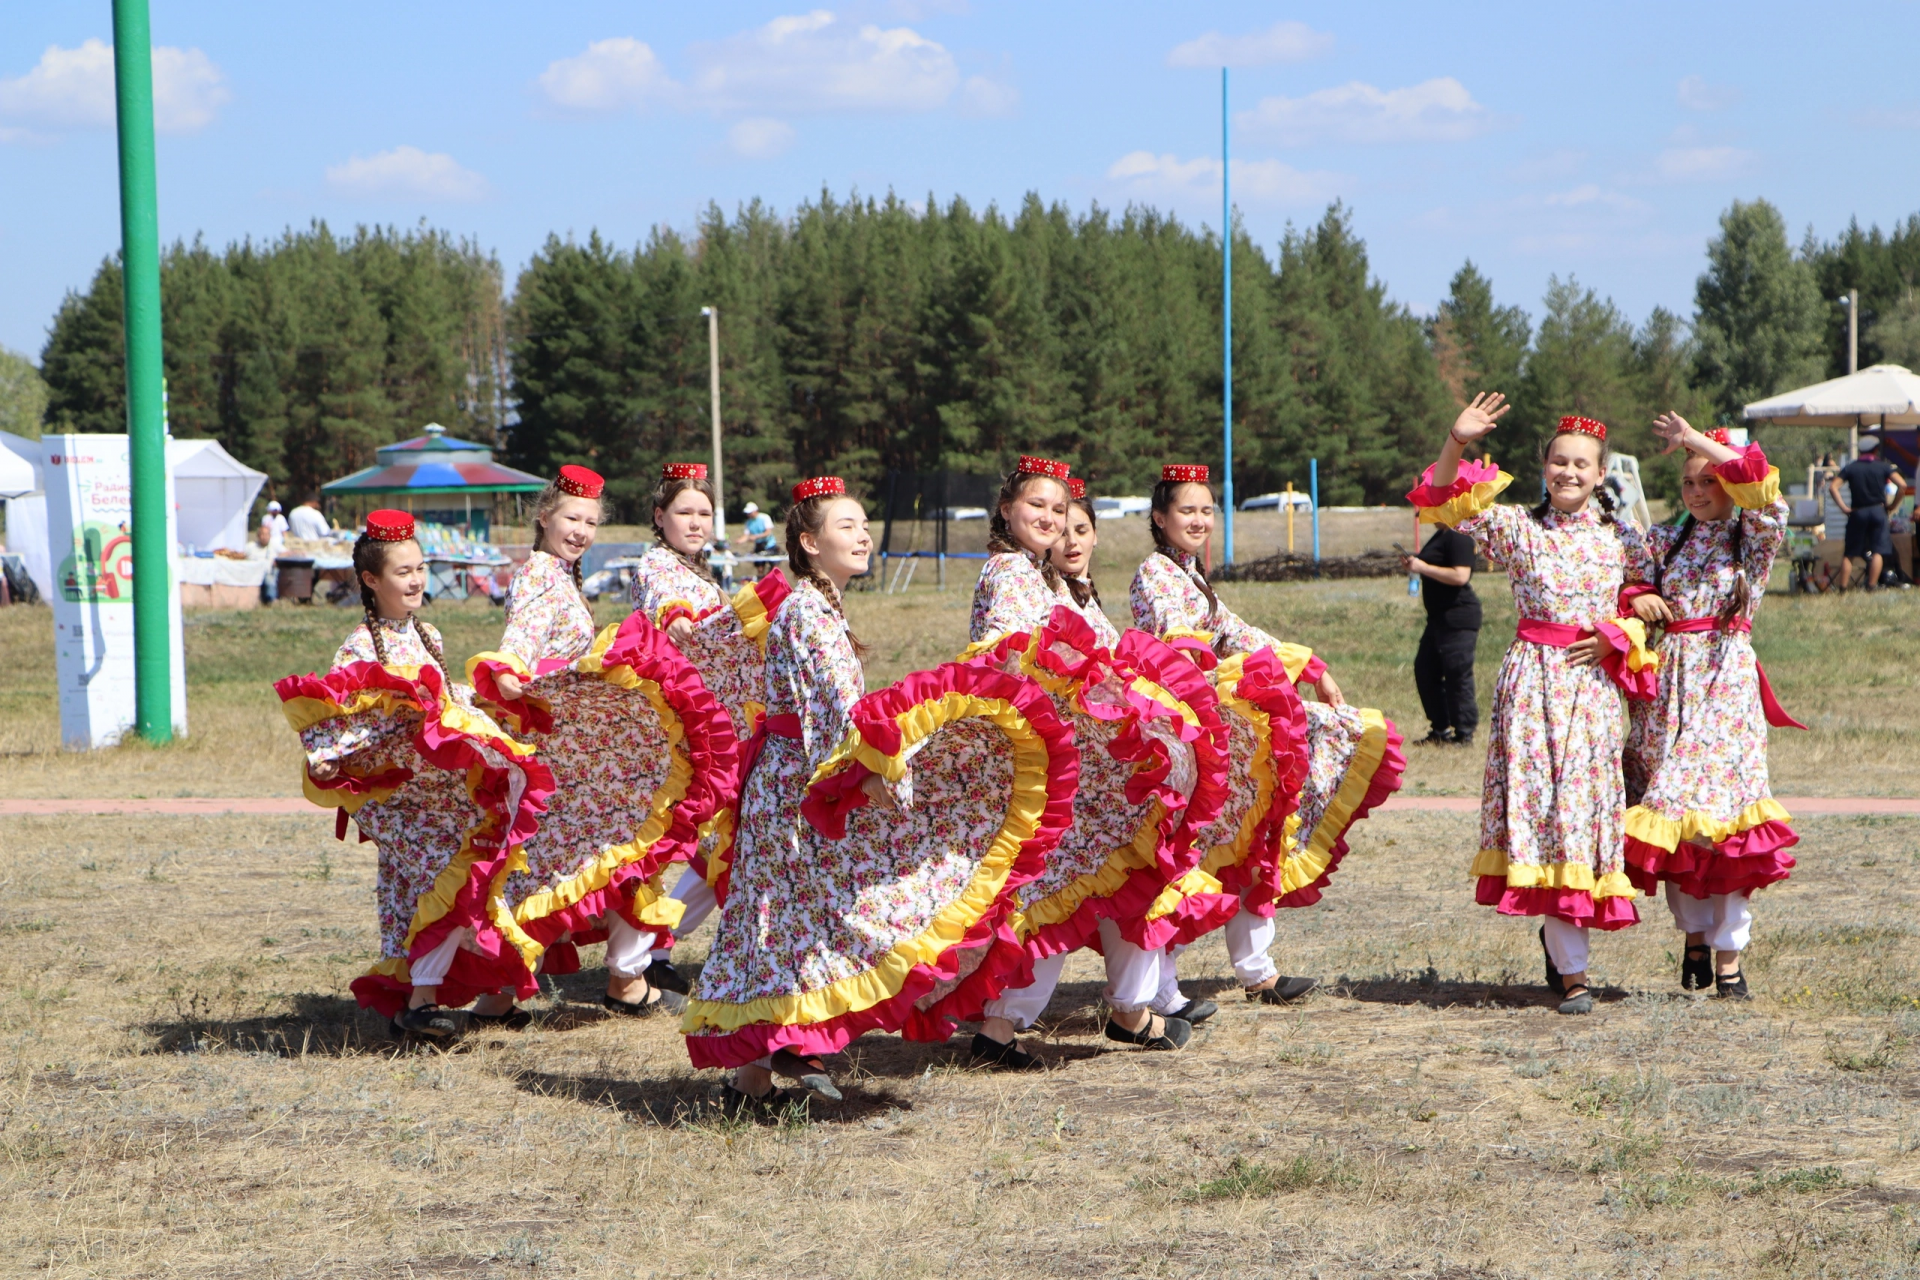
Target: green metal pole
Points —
{"points": [[146, 437]]}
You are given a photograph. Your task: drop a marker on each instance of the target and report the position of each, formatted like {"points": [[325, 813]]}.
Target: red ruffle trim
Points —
{"points": [[1264, 683], [1384, 782], [1748, 860], [1751, 467], [1575, 906], [528, 713], [773, 589], [1428, 494]]}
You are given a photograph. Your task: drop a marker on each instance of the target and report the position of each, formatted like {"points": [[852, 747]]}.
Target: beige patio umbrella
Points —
{"points": [[1879, 395]]}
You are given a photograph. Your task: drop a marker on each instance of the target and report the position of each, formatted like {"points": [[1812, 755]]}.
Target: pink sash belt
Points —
{"points": [[1777, 715], [1638, 685]]}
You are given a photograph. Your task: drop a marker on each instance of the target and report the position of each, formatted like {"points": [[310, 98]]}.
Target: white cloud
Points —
{"points": [[408, 173], [1700, 164], [1282, 42], [1592, 194], [760, 137], [1695, 94], [1264, 181], [73, 88], [818, 62], [611, 74], [1439, 110], [980, 96]]}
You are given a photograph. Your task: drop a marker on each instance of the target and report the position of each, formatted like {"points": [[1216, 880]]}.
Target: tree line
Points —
{"points": [[863, 335]]}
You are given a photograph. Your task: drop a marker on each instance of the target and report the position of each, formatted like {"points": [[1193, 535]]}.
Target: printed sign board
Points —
{"points": [[90, 544]]}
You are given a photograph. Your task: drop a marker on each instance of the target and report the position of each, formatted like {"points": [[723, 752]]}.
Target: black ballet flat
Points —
{"points": [[429, 1022], [1731, 987], [662, 974], [1195, 1012], [1554, 984], [985, 1051], [515, 1019], [1283, 991], [668, 1002], [1174, 1033], [1696, 968], [1579, 1001], [810, 1072]]}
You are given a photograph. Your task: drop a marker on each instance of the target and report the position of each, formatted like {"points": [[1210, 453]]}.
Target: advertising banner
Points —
{"points": [[90, 546]]}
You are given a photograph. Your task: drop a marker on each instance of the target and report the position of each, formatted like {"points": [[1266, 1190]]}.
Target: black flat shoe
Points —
{"points": [[1195, 1012], [1174, 1033], [668, 1002], [512, 1020], [1731, 987], [662, 974], [985, 1051], [429, 1021], [1696, 968], [810, 1072], [1579, 1000], [774, 1105], [1434, 739], [1283, 991], [1554, 984]]}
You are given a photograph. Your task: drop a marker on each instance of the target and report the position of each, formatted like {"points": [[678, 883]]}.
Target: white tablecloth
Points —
{"points": [[218, 571]]}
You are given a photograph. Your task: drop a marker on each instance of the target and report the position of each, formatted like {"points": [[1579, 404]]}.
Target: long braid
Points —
{"points": [[373, 626], [431, 642], [1000, 539], [1660, 574], [809, 516], [1163, 503], [1736, 543]]}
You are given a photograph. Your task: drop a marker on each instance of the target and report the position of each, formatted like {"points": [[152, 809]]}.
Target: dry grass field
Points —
{"points": [[187, 1089]]}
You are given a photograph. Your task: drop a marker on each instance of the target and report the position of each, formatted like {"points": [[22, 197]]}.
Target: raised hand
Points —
{"points": [[1480, 417], [1672, 428]]}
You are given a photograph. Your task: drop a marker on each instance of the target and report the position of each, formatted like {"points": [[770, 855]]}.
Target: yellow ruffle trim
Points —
{"points": [[1294, 657], [691, 608], [1135, 855], [1187, 633], [1195, 881], [949, 927], [1468, 504], [649, 903], [1639, 656], [752, 612], [505, 658], [304, 713], [1756, 496], [1227, 683], [1305, 866], [431, 906], [1646, 825], [1577, 876]]}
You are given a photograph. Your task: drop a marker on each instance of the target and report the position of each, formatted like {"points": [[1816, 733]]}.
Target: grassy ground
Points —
{"points": [[187, 1089]]}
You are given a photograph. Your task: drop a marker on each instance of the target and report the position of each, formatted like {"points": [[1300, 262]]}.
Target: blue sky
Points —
{"points": [[1601, 141]]}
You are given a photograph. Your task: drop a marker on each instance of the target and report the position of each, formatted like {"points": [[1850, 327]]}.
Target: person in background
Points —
{"points": [[266, 546], [1866, 503], [1443, 667], [275, 520], [759, 533], [307, 521]]}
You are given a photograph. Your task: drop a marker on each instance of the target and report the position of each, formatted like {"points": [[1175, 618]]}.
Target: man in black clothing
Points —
{"points": [[1443, 668], [1866, 503]]}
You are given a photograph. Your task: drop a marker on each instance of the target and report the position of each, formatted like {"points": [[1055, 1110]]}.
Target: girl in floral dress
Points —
{"points": [[1303, 773], [1152, 773], [1553, 806], [724, 639], [638, 749], [882, 838], [442, 792], [1702, 816]]}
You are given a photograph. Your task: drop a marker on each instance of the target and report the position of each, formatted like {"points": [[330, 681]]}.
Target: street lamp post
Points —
{"points": [[713, 380], [1852, 303]]}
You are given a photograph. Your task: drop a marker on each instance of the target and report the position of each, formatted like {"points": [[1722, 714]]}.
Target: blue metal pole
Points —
{"points": [[1313, 491], [1226, 313]]}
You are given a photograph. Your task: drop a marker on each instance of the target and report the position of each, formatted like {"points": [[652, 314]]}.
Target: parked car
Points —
{"points": [[1122, 506], [1276, 501]]}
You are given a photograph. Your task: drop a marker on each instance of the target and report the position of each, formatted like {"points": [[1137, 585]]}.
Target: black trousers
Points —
{"points": [[1443, 671]]}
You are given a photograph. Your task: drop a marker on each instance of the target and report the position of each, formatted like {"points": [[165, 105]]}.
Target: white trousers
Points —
{"points": [[1133, 975], [1567, 945], [1726, 918], [430, 970], [697, 894], [1248, 938], [1023, 1007], [629, 950]]}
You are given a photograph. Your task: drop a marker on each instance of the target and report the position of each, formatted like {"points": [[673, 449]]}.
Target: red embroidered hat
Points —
{"points": [[1720, 435], [684, 471], [579, 482], [817, 487], [389, 526], [1032, 466], [1572, 424], [1185, 473], [1076, 488]]}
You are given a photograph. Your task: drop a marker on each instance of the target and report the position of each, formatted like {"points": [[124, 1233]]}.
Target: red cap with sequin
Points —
{"points": [[1076, 488], [818, 487], [1575, 425], [1720, 435], [389, 526], [1184, 473], [684, 471], [1032, 466], [578, 482]]}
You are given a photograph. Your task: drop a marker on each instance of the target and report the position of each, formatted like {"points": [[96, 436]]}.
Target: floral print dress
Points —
{"points": [[825, 936], [440, 790], [1702, 813], [1553, 806], [1314, 768]]}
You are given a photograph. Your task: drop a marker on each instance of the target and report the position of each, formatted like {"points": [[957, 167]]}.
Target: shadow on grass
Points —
{"points": [[325, 1026], [681, 1101], [1441, 993]]}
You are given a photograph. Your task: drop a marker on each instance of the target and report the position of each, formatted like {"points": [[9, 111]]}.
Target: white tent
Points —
{"points": [[215, 494], [1882, 395], [27, 510], [19, 465]]}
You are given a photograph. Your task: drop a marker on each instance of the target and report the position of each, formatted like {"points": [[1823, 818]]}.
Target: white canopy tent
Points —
{"points": [[215, 494], [26, 508], [19, 465], [1881, 395]]}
